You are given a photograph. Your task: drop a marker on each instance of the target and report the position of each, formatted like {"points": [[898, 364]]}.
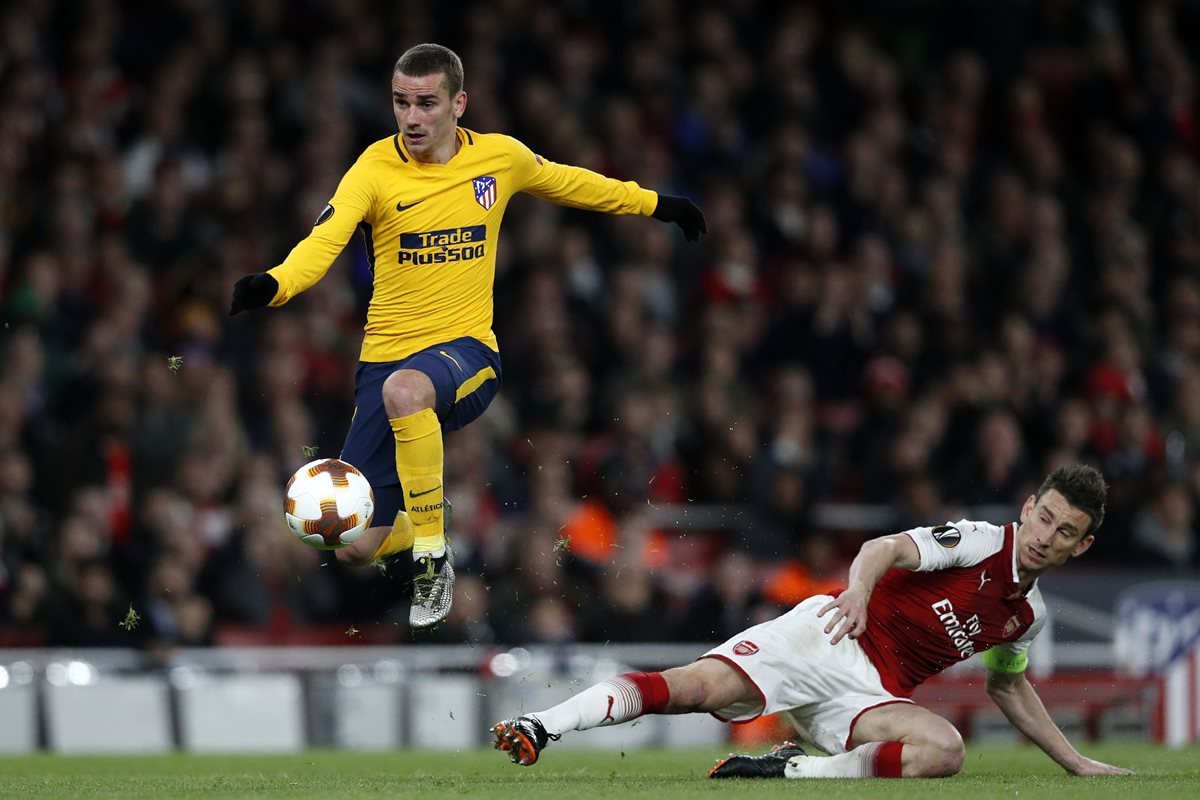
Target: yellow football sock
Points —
{"points": [[399, 538], [419, 466]]}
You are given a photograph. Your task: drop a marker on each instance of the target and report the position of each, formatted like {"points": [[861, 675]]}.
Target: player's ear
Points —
{"points": [[460, 104], [1025, 509], [1082, 545]]}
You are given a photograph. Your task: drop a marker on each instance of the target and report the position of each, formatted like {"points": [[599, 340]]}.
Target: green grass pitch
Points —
{"points": [[1022, 773]]}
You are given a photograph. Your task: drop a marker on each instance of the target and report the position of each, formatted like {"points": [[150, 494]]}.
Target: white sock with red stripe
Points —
{"points": [[609, 702], [873, 760]]}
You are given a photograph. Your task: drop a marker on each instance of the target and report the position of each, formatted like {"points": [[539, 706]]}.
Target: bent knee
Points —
{"points": [[942, 758], [949, 760], [353, 555], [408, 391]]}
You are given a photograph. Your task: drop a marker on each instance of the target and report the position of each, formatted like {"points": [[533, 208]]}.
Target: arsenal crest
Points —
{"points": [[485, 191], [745, 648], [1012, 626]]}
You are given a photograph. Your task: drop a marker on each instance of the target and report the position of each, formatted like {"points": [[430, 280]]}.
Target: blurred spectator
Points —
{"points": [[628, 608], [28, 593], [727, 604], [995, 470], [89, 610], [1165, 532], [539, 601], [172, 612], [255, 580]]}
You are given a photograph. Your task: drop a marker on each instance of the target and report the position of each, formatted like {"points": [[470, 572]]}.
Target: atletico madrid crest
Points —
{"points": [[485, 191]]}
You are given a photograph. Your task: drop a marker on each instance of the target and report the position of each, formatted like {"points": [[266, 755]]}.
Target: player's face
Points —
{"points": [[1052, 530], [427, 115]]}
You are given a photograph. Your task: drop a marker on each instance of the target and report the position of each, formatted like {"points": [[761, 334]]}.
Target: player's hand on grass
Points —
{"points": [[253, 291], [682, 212], [1090, 766], [851, 613]]}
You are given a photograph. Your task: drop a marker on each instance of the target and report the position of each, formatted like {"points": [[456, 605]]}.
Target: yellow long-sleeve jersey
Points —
{"points": [[431, 232]]}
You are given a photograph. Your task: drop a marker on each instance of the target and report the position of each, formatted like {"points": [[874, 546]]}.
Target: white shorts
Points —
{"points": [[822, 688]]}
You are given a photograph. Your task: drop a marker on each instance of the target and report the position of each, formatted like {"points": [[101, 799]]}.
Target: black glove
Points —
{"points": [[253, 291], [682, 212]]}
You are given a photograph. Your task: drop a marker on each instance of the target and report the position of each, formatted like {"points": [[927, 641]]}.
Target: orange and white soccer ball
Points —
{"points": [[328, 504]]}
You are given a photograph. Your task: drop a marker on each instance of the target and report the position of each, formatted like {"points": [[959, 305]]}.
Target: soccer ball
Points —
{"points": [[328, 504]]}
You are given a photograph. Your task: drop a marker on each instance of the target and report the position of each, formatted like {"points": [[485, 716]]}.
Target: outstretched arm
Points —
{"points": [[581, 188], [1020, 703], [875, 557], [314, 255]]}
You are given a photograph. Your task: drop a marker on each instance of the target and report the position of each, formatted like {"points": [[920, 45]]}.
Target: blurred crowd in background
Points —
{"points": [[949, 250]]}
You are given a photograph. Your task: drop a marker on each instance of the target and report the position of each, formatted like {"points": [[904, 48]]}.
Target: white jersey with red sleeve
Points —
{"points": [[963, 599]]}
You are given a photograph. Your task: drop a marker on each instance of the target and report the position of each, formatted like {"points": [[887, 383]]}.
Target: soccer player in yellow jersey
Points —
{"points": [[429, 202]]}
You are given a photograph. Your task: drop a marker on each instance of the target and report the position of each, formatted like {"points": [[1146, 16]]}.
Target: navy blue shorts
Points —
{"points": [[466, 377]]}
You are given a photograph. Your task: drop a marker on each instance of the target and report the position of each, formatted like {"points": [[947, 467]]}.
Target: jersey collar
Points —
{"points": [[464, 137], [1010, 532]]}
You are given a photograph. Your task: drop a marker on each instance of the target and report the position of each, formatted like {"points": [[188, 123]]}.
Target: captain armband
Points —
{"points": [[999, 660]]}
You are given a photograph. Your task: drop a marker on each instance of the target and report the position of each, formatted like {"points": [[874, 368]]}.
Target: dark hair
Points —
{"points": [[1081, 486], [428, 59]]}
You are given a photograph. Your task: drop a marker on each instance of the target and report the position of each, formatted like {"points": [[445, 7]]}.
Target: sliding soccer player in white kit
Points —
{"points": [[843, 667]]}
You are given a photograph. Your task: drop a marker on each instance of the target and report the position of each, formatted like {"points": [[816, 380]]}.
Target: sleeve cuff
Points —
{"points": [[649, 202], [281, 295]]}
